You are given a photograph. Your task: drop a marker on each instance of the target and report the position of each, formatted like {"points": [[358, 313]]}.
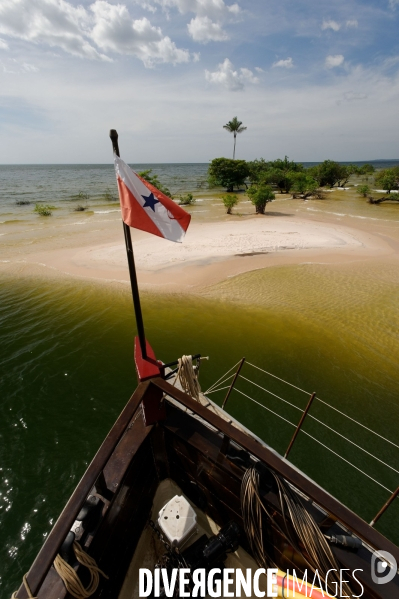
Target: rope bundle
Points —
{"points": [[70, 578], [188, 378], [318, 552], [27, 589]]}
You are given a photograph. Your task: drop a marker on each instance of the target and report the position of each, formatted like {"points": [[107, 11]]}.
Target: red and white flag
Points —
{"points": [[145, 207]]}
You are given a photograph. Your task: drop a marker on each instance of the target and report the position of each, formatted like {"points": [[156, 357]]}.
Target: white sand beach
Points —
{"points": [[93, 248]]}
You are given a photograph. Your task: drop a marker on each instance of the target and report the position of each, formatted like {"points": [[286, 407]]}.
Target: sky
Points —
{"points": [[311, 79]]}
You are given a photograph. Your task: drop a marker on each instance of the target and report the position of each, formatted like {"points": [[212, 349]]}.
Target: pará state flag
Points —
{"points": [[145, 207]]}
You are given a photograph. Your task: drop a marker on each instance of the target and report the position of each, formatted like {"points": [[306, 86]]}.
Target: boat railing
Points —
{"points": [[234, 374]]}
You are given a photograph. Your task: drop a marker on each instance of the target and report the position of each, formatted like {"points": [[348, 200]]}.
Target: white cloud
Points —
{"points": [[58, 23], [259, 70], [390, 62], [287, 63], [29, 68], [351, 96], [393, 3], [203, 30], [115, 30], [334, 61], [3, 45], [214, 9], [229, 78], [352, 22], [146, 6], [52, 22], [330, 24], [15, 66]]}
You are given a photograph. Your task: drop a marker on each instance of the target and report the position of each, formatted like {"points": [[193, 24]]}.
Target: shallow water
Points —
{"points": [[67, 370]]}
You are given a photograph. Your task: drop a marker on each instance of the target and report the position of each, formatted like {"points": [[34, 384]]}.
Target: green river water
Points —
{"points": [[66, 356]]}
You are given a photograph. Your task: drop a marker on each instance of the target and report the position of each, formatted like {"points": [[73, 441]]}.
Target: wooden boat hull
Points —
{"points": [[164, 434]]}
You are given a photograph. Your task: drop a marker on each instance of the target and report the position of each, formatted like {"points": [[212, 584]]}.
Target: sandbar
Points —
{"points": [[93, 249]]}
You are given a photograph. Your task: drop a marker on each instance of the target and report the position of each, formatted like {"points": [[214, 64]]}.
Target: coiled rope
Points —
{"points": [[188, 378], [69, 576], [318, 554], [27, 589]]}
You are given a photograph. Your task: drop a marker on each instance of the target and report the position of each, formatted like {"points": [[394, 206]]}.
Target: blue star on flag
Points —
{"points": [[150, 201]]}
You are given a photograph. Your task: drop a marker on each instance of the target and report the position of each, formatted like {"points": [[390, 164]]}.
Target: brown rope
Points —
{"points": [[27, 588], [70, 577]]}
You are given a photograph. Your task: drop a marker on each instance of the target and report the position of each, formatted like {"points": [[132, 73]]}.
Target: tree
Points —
{"points": [[363, 190], [153, 179], [280, 173], [234, 126], [260, 195], [229, 202], [330, 173], [304, 185], [225, 172], [388, 178], [366, 169]]}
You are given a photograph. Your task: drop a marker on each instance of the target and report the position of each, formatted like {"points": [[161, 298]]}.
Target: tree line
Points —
{"points": [[285, 175], [262, 177]]}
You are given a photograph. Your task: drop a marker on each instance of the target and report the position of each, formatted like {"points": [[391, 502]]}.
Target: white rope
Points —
{"points": [[265, 408], [359, 423], [317, 441], [221, 389], [276, 377], [353, 443], [219, 383], [324, 424], [347, 461], [188, 378], [325, 403], [223, 375], [274, 395]]}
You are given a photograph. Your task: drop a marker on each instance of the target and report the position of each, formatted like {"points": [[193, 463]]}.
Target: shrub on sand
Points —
{"points": [[260, 196], [363, 190], [229, 201], [44, 209], [186, 200]]}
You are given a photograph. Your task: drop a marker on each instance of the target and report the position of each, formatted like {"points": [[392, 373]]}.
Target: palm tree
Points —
{"points": [[234, 126]]}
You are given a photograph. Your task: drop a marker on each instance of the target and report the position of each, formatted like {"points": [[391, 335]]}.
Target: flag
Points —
{"points": [[145, 207]]}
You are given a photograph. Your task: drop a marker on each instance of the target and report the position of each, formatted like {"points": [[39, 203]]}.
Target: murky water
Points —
{"points": [[67, 370]]}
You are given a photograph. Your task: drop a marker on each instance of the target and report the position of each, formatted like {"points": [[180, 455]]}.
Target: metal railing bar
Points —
{"points": [[317, 441], [347, 461], [326, 404], [324, 424], [353, 443]]}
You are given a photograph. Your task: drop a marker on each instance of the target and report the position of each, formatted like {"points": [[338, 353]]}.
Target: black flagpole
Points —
{"points": [[132, 269]]}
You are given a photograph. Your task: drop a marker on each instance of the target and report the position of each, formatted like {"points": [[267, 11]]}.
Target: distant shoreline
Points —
{"points": [[306, 163]]}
